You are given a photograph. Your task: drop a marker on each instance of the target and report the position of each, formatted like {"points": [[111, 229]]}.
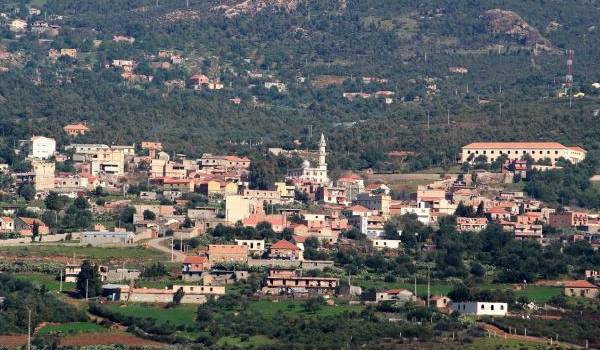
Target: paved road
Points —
{"points": [[157, 244]]}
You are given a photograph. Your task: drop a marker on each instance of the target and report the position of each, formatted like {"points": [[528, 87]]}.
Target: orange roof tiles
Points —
{"points": [[358, 208], [520, 145], [579, 284], [78, 126], [195, 260], [285, 245]]}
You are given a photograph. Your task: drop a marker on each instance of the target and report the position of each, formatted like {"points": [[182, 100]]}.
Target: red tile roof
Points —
{"points": [[195, 260], [358, 208], [78, 126], [579, 284], [350, 176], [283, 244], [512, 145]]}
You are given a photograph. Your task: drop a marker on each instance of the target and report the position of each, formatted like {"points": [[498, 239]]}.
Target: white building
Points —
{"points": [[316, 174], [255, 246], [386, 243], [480, 308], [516, 151], [423, 214], [42, 147]]}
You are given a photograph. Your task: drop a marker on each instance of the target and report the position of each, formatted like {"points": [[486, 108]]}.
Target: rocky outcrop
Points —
{"points": [[234, 8], [252, 7], [511, 24]]}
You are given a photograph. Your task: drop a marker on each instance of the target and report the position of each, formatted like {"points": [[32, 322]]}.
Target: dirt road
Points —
{"points": [[157, 244]]}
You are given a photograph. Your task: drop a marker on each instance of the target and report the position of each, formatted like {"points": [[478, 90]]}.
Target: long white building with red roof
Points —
{"points": [[516, 151]]}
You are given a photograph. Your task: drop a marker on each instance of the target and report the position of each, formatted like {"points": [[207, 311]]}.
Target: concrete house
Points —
{"points": [[581, 288], [480, 308]]}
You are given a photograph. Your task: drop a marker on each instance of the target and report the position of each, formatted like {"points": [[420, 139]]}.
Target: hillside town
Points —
{"points": [[306, 205], [283, 174]]}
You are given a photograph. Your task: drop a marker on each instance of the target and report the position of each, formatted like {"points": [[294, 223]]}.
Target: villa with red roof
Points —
{"points": [[7, 224], [516, 151], [285, 250], [278, 222], [76, 129], [581, 288], [193, 267]]}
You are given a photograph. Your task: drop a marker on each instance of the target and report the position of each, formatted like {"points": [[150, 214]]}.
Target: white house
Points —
{"points": [[42, 147], [386, 243], [480, 308], [423, 214], [255, 246]]}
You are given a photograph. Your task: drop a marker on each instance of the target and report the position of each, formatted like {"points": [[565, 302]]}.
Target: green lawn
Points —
{"points": [[252, 342], [180, 315], [289, 307], [48, 280], [95, 253], [499, 343], [186, 314], [71, 328], [539, 294]]}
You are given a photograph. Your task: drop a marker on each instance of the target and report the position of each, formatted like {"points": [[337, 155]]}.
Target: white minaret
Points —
{"points": [[322, 153]]}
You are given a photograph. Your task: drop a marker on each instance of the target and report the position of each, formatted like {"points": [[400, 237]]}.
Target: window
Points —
{"points": [[492, 307], [482, 306], [501, 307]]}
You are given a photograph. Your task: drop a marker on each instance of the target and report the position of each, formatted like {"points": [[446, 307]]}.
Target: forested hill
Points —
{"points": [[482, 70]]}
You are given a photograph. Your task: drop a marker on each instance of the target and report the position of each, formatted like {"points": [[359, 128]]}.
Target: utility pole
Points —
{"points": [[28, 328], [61, 278], [172, 258], [427, 120], [448, 116], [415, 284], [428, 286], [500, 110], [86, 289], [187, 3]]}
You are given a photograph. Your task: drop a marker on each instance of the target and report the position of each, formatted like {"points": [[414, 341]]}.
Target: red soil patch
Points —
{"points": [[107, 339], [13, 341]]}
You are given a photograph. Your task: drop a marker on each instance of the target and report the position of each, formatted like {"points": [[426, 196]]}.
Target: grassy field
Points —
{"points": [[72, 328], [185, 314], [505, 344], [255, 341], [539, 294], [94, 253], [289, 307], [180, 315], [48, 280]]}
